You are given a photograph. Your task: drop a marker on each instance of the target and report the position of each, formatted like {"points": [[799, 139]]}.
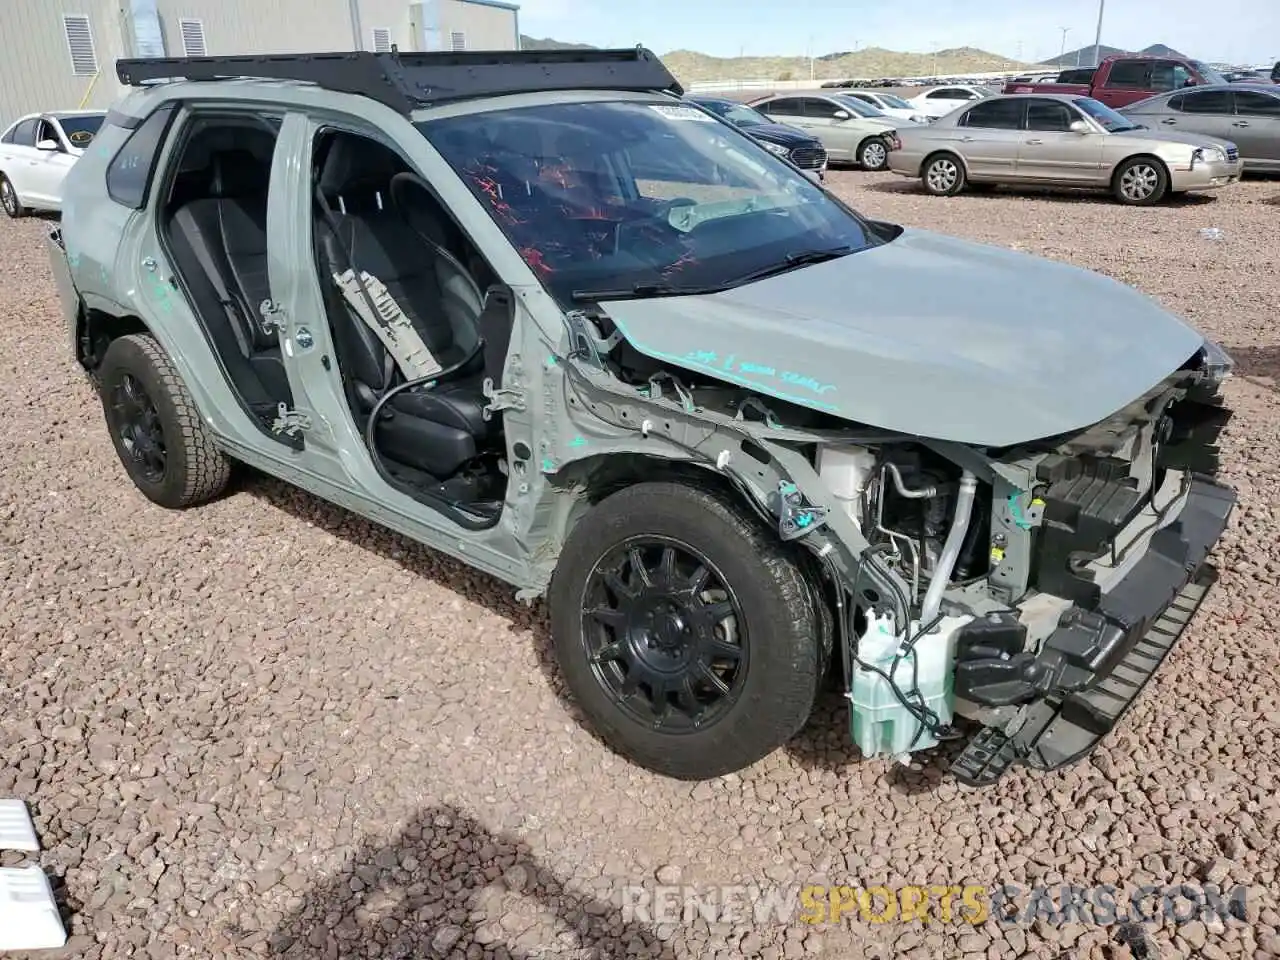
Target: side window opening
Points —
{"points": [[995, 115], [1049, 116], [45, 132], [24, 134], [822, 109], [130, 171], [1129, 74], [783, 107]]}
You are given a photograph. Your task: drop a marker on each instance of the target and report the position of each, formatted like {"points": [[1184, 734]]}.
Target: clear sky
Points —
{"points": [[1244, 31]]}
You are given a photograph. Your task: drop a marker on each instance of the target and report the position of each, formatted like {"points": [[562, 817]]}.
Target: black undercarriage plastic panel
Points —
{"points": [[1124, 640]]}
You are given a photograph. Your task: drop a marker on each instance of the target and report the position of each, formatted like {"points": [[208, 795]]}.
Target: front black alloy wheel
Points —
{"points": [[665, 635], [687, 632]]}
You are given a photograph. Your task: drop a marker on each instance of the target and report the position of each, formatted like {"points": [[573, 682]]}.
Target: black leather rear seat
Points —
{"points": [[221, 239]]}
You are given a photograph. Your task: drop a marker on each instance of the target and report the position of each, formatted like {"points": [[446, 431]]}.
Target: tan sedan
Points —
{"points": [[1060, 140]]}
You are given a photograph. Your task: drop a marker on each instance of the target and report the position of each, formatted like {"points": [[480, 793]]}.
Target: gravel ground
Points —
{"points": [[267, 728]]}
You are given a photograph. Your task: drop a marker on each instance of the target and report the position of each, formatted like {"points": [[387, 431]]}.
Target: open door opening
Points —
{"points": [[419, 323], [213, 223]]}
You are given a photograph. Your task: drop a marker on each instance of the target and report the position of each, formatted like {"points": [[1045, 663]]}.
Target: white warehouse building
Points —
{"points": [[61, 54]]}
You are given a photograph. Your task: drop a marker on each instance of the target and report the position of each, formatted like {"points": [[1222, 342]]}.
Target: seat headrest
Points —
{"points": [[239, 173], [356, 163]]}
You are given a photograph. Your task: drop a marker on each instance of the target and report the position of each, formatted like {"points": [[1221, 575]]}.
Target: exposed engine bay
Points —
{"points": [[1019, 588]]}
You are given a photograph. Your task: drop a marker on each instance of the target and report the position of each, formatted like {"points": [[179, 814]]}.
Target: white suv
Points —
{"points": [[36, 152]]}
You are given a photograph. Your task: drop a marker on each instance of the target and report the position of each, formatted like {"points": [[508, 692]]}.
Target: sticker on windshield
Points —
{"points": [[681, 113]]}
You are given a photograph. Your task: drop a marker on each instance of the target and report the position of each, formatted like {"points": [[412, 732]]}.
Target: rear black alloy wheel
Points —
{"points": [[688, 633], [138, 423], [160, 437], [665, 636]]}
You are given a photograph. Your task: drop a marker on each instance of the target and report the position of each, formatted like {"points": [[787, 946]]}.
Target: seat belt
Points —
{"points": [[383, 316], [389, 323], [238, 323]]}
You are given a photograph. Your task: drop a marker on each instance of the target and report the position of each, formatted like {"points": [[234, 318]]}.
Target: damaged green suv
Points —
{"points": [[540, 313]]}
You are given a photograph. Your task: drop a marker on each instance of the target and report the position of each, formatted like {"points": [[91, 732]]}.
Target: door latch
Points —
{"points": [[271, 317], [290, 423], [500, 399]]}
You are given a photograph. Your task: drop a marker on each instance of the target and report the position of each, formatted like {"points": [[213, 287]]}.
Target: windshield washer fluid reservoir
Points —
{"points": [[879, 722], [846, 471]]}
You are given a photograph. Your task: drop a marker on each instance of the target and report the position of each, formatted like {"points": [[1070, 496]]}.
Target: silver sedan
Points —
{"points": [[1060, 140], [1248, 115]]}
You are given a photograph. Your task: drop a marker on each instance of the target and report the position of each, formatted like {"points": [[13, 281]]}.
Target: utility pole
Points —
{"points": [[1063, 49], [357, 34], [934, 44], [1097, 37]]}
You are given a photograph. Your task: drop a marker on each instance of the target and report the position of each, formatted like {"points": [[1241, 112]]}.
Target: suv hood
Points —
{"points": [[927, 335]]}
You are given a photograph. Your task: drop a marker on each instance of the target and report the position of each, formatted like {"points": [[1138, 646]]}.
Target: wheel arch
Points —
{"points": [[867, 139], [97, 329], [942, 151], [596, 477], [600, 476], [1158, 161]]}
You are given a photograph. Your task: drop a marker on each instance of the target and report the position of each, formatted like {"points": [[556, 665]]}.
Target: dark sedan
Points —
{"points": [[805, 151]]}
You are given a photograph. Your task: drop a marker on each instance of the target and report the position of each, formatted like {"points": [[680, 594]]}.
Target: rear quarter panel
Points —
{"points": [[93, 224]]}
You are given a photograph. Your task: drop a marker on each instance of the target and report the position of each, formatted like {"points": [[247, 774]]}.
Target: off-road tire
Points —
{"points": [[935, 182], [195, 470], [12, 205], [880, 150], [786, 660], [1157, 174]]}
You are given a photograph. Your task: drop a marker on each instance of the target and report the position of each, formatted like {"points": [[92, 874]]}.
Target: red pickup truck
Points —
{"points": [[1122, 80]]}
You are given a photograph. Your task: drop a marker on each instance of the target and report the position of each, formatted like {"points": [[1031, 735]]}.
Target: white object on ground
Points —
{"points": [[29, 917], [1212, 233], [16, 831]]}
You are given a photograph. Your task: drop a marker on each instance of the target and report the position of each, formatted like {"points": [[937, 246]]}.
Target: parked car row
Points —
{"points": [[1062, 140], [37, 151], [804, 150], [1201, 128], [850, 130]]}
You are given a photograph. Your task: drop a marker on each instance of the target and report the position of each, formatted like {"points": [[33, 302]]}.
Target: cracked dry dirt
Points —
{"points": [[266, 728]]}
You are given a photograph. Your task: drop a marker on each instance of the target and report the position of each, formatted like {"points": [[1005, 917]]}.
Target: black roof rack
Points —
{"points": [[406, 81]]}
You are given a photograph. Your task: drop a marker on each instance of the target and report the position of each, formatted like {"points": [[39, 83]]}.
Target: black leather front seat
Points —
{"points": [[225, 235], [437, 429]]}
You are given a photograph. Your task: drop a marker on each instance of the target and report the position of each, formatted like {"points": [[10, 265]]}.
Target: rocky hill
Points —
{"points": [[1085, 56], [689, 65]]}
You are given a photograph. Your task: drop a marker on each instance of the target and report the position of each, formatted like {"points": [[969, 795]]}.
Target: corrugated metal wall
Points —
{"points": [[245, 26], [481, 27], [36, 69], [389, 15]]}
